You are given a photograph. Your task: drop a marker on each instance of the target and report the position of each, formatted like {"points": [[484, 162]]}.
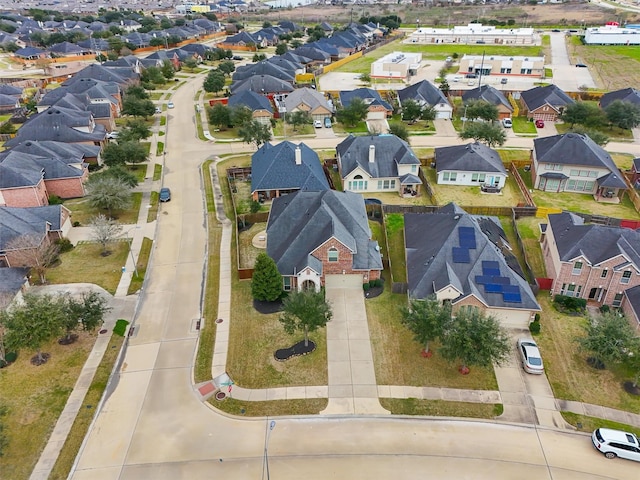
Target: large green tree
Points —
{"points": [[481, 109], [427, 319], [474, 339], [624, 115], [399, 130], [492, 135], [266, 282], [138, 107], [298, 119], [219, 115], [305, 311], [108, 193], [214, 82], [411, 111], [240, 114], [607, 338], [124, 152], [34, 323], [585, 114], [353, 113], [255, 132]]}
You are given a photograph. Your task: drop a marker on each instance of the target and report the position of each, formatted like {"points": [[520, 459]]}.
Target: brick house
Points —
{"points": [[588, 261], [314, 234], [545, 103], [22, 189], [492, 96], [378, 108], [260, 106], [466, 260]]}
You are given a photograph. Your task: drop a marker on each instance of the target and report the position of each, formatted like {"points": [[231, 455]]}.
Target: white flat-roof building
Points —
{"points": [[502, 65], [612, 35], [400, 65], [474, 33]]}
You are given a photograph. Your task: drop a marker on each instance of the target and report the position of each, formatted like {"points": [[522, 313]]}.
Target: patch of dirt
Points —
{"points": [[41, 360], [630, 388]]}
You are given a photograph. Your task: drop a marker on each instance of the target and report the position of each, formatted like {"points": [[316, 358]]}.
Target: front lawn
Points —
{"points": [[523, 125], [614, 133], [85, 264], [83, 212], [281, 130], [360, 128], [441, 408]]}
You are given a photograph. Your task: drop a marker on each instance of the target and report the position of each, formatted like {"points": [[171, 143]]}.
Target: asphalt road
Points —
{"points": [[154, 424]]}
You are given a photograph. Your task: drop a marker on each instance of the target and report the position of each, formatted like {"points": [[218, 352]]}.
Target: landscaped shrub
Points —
{"points": [[121, 327], [11, 357], [534, 327], [64, 244], [55, 200], [567, 304], [366, 286], [537, 317], [605, 309], [76, 224]]}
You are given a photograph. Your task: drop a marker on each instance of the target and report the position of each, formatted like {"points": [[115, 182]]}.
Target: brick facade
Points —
{"points": [[33, 196], [344, 264], [67, 187]]}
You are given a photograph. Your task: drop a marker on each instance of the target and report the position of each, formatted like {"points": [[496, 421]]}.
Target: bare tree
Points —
{"points": [[104, 230], [33, 251]]}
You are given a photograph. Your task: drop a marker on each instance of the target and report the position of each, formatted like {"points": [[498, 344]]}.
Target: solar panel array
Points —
{"points": [[493, 282], [467, 241]]}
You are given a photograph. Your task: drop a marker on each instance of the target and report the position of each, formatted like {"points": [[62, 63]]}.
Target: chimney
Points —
{"points": [[372, 153], [298, 155]]}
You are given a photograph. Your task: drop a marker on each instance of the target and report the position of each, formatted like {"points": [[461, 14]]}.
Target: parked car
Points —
{"points": [[317, 123], [471, 82], [616, 443], [507, 123], [158, 110], [170, 105], [448, 60], [165, 194], [236, 57], [539, 123], [327, 122], [530, 356], [471, 75], [503, 81], [581, 65], [113, 135]]}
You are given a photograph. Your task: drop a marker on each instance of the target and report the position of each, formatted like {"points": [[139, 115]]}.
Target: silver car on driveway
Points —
{"points": [[530, 356]]}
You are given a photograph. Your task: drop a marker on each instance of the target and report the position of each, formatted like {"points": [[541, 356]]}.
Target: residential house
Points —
{"points": [[62, 177], [60, 124], [22, 188], [490, 95], [631, 306], [635, 172], [30, 53], [425, 94], [264, 68], [262, 84], [378, 108], [40, 225], [246, 39], [311, 101], [285, 168], [314, 234], [316, 56], [11, 90], [473, 164], [466, 260], [123, 76], [260, 106], [67, 49], [9, 103], [72, 153], [574, 163], [629, 95], [382, 163], [595, 262], [14, 282], [545, 103]]}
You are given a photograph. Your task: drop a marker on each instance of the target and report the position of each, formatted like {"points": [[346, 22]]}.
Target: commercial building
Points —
{"points": [[474, 33], [612, 35], [397, 65], [502, 65]]}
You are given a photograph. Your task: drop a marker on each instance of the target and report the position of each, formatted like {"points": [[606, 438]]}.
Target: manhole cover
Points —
{"points": [[219, 320], [221, 396]]}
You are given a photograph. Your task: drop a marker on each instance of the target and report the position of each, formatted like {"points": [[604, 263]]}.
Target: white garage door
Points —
{"points": [[443, 114], [376, 115]]}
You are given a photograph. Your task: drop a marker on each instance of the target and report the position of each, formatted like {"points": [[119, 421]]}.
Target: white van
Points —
{"points": [[616, 443]]}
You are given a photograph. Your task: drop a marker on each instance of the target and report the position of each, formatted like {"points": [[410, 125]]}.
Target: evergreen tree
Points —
{"points": [[266, 283]]}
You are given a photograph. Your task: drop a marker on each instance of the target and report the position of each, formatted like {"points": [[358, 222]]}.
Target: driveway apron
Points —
{"points": [[352, 378]]}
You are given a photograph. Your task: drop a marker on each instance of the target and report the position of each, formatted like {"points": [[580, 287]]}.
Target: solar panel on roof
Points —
{"points": [[493, 288], [483, 279], [511, 289], [501, 280], [491, 272], [468, 242], [512, 297], [490, 264], [460, 255]]}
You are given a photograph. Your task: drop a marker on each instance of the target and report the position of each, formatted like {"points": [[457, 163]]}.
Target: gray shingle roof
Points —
{"points": [[423, 92], [300, 222], [596, 243], [574, 149], [252, 100], [390, 151], [54, 168], [630, 95], [11, 281], [430, 240], [17, 222], [274, 167], [551, 94], [370, 97], [307, 96], [70, 152], [262, 84], [488, 94], [264, 68], [472, 157]]}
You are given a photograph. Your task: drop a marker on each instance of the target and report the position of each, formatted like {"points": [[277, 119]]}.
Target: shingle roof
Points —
{"points": [[17, 222], [252, 100], [11, 281], [551, 94], [8, 101], [6, 89], [423, 92], [390, 151], [302, 221], [370, 97], [596, 243], [574, 149], [430, 241], [629, 94], [263, 68], [488, 94], [70, 152], [307, 96], [274, 167], [12, 178], [472, 157], [53, 167], [262, 84]]}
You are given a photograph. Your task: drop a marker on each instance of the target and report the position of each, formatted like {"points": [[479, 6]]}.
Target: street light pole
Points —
{"points": [[265, 459], [135, 267]]}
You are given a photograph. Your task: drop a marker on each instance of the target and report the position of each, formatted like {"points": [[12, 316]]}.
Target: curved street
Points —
{"points": [[154, 423]]}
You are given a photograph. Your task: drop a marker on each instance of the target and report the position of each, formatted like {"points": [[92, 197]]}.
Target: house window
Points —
{"points": [[626, 276], [449, 176], [525, 71], [358, 183], [617, 300], [478, 177], [287, 283], [604, 273], [332, 254], [577, 268], [553, 166], [571, 290], [393, 184], [414, 168]]}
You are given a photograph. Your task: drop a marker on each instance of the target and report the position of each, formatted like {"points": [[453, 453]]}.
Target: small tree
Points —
{"points": [[214, 82], [219, 115], [411, 111], [481, 109], [104, 231], [490, 134], [624, 115], [474, 339], [255, 132], [353, 113], [117, 172], [108, 193], [33, 251], [138, 107], [305, 311], [227, 67], [632, 360], [298, 118], [135, 129], [240, 115], [399, 130], [428, 113], [124, 152], [427, 319], [584, 114], [608, 336], [281, 48], [266, 283], [87, 312], [37, 321]]}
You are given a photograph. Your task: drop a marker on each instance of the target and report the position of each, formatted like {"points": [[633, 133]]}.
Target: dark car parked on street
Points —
{"points": [[165, 194]]}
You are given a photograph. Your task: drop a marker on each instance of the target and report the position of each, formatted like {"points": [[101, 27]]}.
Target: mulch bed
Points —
{"points": [[267, 307], [68, 340], [629, 388], [294, 351], [37, 361], [374, 292]]}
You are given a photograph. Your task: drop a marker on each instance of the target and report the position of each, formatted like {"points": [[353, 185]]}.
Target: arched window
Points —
{"points": [[333, 254]]}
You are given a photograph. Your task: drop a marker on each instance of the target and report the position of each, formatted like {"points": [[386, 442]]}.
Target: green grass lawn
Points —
{"points": [[141, 266], [86, 264], [360, 128], [280, 130], [82, 212], [529, 229], [614, 133], [394, 223], [157, 172], [589, 424], [139, 170], [440, 408], [523, 125]]}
